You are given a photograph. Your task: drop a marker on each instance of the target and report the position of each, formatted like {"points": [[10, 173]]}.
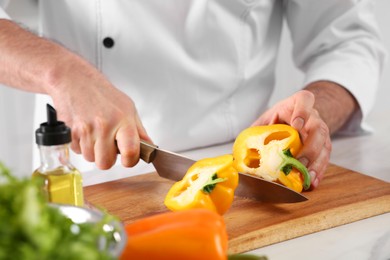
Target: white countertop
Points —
{"points": [[364, 239]]}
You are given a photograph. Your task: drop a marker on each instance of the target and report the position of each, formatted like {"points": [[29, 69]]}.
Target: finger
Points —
{"points": [[305, 131], [87, 149], [105, 147], [142, 131], [318, 161], [128, 144], [75, 144], [87, 141], [295, 111], [303, 106], [318, 167], [105, 153], [317, 135]]}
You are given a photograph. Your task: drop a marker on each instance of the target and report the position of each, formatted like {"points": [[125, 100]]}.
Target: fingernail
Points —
{"points": [[304, 161], [298, 123]]}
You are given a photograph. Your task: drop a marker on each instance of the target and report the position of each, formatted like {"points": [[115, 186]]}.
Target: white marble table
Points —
{"points": [[368, 239]]}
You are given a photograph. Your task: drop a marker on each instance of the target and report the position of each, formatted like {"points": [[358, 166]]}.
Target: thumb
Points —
{"points": [[303, 106]]}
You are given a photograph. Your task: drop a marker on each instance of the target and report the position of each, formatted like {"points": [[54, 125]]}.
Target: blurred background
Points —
{"points": [[17, 107]]}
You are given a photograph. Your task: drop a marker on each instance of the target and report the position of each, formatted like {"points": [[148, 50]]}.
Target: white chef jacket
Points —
{"points": [[200, 71]]}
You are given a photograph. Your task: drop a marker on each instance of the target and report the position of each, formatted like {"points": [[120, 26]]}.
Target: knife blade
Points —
{"points": [[173, 166]]}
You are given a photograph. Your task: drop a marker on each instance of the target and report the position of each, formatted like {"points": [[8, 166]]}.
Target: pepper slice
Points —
{"points": [[191, 234], [209, 183], [268, 152]]}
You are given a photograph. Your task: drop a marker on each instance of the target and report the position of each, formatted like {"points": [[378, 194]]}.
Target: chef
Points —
{"points": [[188, 74]]}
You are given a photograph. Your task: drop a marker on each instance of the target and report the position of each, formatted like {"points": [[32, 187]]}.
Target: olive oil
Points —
{"points": [[62, 187], [62, 181]]}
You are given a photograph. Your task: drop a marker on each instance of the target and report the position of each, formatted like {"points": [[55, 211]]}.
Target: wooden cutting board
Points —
{"points": [[344, 196]]}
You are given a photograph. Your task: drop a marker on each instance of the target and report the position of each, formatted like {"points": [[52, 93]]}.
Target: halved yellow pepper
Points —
{"points": [[268, 152], [209, 183]]}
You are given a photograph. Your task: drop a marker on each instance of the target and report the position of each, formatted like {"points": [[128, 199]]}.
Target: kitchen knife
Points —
{"points": [[174, 166]]}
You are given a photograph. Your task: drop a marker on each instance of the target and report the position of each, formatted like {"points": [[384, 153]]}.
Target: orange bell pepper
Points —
{"points": [[195, 234], [209, 183], [268, 152]]}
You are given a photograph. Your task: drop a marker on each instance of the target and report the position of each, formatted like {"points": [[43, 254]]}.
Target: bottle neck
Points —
{"points": [[53, 157]]}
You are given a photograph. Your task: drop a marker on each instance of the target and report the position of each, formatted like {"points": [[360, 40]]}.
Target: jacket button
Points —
{"points": [[108, 42]]}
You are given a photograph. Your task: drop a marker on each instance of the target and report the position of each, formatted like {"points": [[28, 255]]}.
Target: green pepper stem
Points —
{"points": [[210, 184], [289, 161]]}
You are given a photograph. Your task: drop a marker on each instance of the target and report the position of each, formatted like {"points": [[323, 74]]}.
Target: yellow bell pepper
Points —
{"points": [[209, 183], [268, 152]]}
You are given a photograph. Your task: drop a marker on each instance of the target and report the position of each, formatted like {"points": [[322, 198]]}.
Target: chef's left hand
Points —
{"points": [[299, 112]]}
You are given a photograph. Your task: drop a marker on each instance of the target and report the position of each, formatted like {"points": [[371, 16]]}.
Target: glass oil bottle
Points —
{"points": [[62, 181]]}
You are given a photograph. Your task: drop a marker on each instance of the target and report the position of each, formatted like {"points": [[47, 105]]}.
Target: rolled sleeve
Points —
{"points": [[339, 41]]}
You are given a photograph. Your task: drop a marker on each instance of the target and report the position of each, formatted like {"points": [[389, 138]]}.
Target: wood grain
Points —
{"points": [[343, 197]]}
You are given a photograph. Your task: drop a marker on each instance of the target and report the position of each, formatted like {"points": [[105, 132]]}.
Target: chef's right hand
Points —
{"points": [[102, 118]]}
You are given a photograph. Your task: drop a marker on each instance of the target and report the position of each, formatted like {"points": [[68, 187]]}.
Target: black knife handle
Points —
{"points": [[148, 152]]}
